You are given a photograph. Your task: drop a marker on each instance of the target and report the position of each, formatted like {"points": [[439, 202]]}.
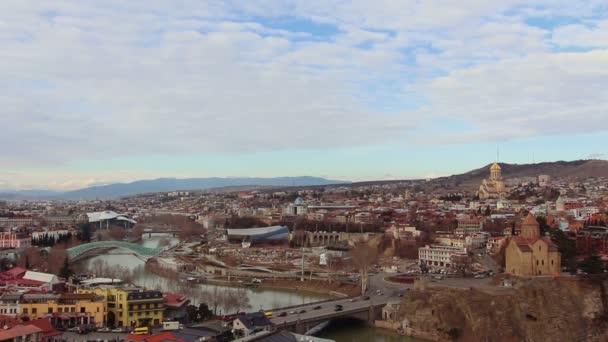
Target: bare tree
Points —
{"points": [[364, 256]]}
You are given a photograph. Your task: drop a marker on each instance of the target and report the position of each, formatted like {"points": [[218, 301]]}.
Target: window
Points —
{"points": [[543, 262], [60, 310], [536, 262], [34, 310], [25, 311], [82, 309], [551, 262], [50, 310], [72, 309]]}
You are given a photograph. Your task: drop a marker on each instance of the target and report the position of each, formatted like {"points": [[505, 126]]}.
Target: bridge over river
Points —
{"points": [[303, 318], [99, 247]]}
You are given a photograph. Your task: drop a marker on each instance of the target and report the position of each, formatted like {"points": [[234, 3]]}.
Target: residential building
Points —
{"points": [[244, 325], [14, 240], [175, 307], [468, 226], [439, 256], [131, 306], [66, 309]]}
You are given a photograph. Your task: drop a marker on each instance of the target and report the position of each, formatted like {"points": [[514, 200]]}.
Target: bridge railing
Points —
{"points": [[308, 304]]}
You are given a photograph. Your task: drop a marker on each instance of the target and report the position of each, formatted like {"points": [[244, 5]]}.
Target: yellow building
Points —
{"points": [[66, 309], [494, 187], [131, 307], [529, 254]]}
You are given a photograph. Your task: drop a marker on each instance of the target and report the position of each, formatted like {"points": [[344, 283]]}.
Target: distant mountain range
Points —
{"points": [[163, 185], [578, 169]]}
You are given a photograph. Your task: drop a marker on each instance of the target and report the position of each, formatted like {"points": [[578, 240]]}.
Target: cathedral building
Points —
{"points": [[529, 254], [493, 187]]}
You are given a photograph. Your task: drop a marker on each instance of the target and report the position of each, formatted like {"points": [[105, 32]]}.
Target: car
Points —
{"points": [[292, 312], [366, 298], [104, 330], [302, 311], [338, 307], [118, 330], [318, 307], [283, 314], [352, 300], [74, 329]]}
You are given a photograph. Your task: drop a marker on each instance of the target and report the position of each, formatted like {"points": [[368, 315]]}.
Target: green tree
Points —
{"points": [[592, 265], [86, 232], [65, 271], [193, 315], [204, 313]]}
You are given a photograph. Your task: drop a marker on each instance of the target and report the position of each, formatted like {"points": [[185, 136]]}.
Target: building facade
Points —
{"points": [[493, 187], [529, 254], [439, 256], [14, 240], [65, 310], [131, 307]]}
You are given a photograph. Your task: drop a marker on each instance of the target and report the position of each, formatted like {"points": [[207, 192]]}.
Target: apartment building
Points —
{"points": [[131, 306], [439, 256]]}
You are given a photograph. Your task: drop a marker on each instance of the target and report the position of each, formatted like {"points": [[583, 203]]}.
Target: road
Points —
{"points": [[94, 336], [327, 308]]}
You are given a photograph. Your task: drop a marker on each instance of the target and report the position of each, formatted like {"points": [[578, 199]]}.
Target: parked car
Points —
{"points": [[351, 300], [283, 314], [318, 307], [366, 298], [302, 311], [118, 330], [338, 307], [104, 330], [75, 329]]}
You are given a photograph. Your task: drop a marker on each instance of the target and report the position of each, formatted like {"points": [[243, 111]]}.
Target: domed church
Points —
{"points": [[529, 254], [494, 187]]}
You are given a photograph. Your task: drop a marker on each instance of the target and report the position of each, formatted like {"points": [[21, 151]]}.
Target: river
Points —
{"points": [[340, 331]]}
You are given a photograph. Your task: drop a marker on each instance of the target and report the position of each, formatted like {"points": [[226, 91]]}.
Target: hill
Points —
{"points": [[173, 184], [577, 169]]}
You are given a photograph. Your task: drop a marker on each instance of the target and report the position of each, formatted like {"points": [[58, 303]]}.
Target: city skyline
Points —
{"points": [[103, 92]]}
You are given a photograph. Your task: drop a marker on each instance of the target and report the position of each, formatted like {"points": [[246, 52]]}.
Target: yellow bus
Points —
{"points": [[268, 314], [141, 331]]}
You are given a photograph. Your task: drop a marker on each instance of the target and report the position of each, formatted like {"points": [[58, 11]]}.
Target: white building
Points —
{"points": [[476, 240], [439, 256]]}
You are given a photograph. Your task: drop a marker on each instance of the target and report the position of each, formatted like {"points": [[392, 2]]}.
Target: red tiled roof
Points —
{"points": [[15, 272], [164, 336], [42, 323], [22, 282], [530, 221], [19, 330]]}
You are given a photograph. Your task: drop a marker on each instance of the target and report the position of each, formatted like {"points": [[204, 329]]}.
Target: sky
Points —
{"points": [[95, 92]]}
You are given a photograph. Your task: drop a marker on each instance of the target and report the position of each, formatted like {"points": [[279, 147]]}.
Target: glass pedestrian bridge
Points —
{"points": [[90, 248]]}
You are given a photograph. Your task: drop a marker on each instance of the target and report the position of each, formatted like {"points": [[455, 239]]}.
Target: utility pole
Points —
{"points": [[302, 276]]}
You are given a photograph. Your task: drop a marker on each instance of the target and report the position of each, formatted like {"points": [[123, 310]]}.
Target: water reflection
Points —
{"points": [[258, 298]]}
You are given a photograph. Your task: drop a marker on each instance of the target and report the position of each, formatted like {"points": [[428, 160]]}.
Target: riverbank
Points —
{"points": [[334, 289]]}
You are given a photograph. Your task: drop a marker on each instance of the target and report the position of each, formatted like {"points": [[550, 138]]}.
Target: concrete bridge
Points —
{"points": [[99, 247], [314, 314]]}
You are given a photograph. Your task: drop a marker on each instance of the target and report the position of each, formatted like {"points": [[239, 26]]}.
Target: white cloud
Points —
{"points": [[97, 79], [582, 35]]}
